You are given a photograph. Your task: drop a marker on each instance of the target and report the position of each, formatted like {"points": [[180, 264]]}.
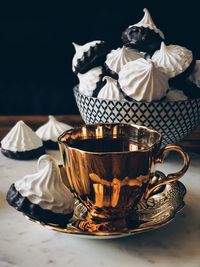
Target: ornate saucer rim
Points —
{"points": [[144, 227]]}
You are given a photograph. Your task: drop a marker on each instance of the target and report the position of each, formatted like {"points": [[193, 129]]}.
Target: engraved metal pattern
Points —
{"points": [[174, 120], [154, 213]]}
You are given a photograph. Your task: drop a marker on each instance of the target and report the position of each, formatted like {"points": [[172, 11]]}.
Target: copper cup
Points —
{"points": [[111, 167]]}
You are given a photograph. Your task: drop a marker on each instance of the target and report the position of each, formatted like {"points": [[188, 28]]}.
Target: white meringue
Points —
{"points": [[46, 188], [172, 59], [52, 129], [176, 95], [195, 75], [110, 90], [147, 22], [142, 81], [88, 81], [117, 58], [80, 49], [21, 138]]}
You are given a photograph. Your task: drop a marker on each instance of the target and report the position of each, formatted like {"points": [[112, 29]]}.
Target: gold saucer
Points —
{"points": [[154, 213]]}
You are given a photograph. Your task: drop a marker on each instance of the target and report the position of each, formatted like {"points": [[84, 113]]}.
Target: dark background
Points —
{"points": [[36, 49]]}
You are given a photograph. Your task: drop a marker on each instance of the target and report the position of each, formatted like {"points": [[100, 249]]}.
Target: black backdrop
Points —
{"points": [[36, 50]]}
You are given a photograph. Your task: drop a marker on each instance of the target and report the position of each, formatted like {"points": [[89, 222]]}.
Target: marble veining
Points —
{"points": [[26, 244]]}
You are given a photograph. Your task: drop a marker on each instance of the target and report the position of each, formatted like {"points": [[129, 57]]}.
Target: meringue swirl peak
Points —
{"points": [[110, 90], [172, 59], [117, 58], [80, 50], [142, 81], [46, 188], [52, 129], [21, 138], [147, 22]]}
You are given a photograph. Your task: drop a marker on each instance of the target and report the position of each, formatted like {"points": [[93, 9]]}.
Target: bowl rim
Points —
{"points": [[75, 89]]}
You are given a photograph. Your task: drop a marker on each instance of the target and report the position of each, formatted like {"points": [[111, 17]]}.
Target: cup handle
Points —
{"points": [[172, 176]]}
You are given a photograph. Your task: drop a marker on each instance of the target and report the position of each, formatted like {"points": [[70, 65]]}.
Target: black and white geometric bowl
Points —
{"points": [[174, 119]]}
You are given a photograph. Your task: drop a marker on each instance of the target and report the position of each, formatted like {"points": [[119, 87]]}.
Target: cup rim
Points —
{"points": [[60, 141]]}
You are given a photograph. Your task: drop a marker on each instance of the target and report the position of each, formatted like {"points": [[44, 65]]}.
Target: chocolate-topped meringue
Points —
{"points": [[195, 75], [89, 55], [143, 35], [147, 22], [90, 81], [142, 81], [110, 90], [22, 143], [190, 89], [43, 195], [50, 131], [117, 58], [172, 59], [176, 95]]}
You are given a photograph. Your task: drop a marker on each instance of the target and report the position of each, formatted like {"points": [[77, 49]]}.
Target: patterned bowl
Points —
{"points": [[174, 120]]}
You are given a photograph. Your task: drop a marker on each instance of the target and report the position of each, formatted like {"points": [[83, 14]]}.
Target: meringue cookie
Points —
{"points": [[52, 129], [144, 35], [80, 50], [195, 75], [110, 90], [22, 143], [88, 56], [117, 58], [191, 90], [147, 22], [172, 59], [88, 82], [142, 81], [176, 95], [46, 188]]}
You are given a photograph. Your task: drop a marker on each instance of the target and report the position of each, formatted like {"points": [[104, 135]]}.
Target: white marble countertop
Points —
{"points": [[26, 244]]}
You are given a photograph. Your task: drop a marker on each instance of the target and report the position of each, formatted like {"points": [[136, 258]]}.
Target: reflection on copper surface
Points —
{"points": [[115, 187], [150, 214], [109, 168], [99, 132], [84, 132]]}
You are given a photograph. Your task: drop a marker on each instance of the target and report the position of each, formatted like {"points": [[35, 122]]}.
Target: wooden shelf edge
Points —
{"points": [[191, 142]]}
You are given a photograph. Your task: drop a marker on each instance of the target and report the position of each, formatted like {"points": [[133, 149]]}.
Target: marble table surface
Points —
{"points": [[26, 244]]}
